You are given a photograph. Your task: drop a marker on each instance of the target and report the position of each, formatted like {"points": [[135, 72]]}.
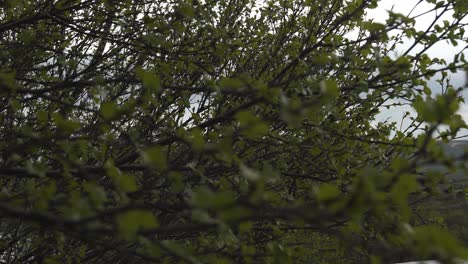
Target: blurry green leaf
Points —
{"points": [[149, 80], [251, 126], [155, 157], [42, 116], [122, 181], [109, 110], [246, 226], [133, 221], [400, 164], [202, 216], [427, 90], [195, 138], [7, 79], [52, 260], [321, 59], [248, 173], [185, 10], [96, 193], [177, 181], [330, 89], [234, 214], [68, 126], [231, 83], [405, 185], [208, 199], [373, 26], [328, 192], [434, 241], [438, 109]]}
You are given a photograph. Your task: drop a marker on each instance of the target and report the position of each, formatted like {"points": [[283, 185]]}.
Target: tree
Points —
{"points": [[221, 132]]}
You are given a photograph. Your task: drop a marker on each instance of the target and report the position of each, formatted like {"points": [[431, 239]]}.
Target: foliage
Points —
{"points": [[188, 131]]}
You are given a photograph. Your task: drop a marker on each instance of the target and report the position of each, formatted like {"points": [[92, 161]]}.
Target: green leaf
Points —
{"points": [[321, 59], [205, 198], [405, 185], [195, 138], [329, 89], [433, 241], [427, 91], [155, 157], [246, 226], [185, 10], [249, 174], [149, 80], [235, 213], [67, 126], [251, 126], [130, 222], [328, 192], [7, 80], [42, 116], [177, 181], [96, 193], [122, 181], [109, 110], [231, 83]]}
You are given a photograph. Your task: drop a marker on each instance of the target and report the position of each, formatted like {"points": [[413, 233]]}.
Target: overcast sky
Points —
{"points": [[442, 50]]}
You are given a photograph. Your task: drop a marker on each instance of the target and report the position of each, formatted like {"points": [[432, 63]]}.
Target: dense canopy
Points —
{"points": [[242, 131]]}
